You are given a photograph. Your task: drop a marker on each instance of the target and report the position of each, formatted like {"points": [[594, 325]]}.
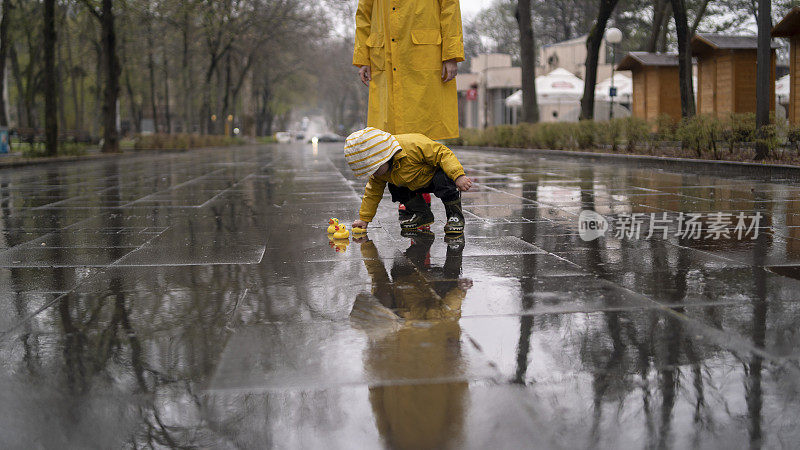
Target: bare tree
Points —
{"points": [[111, 70], [50, 78], [684, 57], [530, 108], [3, 57], [593, 42], [763, 69]]}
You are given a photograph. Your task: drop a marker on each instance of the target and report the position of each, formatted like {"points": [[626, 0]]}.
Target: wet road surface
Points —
{"points": [[194, 300]]}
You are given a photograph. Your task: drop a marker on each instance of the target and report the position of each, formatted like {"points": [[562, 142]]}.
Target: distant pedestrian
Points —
{"points": [[407, 53]]}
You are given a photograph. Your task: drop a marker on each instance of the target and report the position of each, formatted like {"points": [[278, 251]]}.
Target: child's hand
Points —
{"points": [[359, 224], [463, 183]]}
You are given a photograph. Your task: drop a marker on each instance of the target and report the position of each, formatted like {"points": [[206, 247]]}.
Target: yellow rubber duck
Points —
{"points": [[359, 230], [341, 232], [332, 227]]}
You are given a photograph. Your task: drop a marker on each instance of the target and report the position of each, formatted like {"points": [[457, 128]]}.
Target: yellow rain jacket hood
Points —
{"points": [[405, 43]]}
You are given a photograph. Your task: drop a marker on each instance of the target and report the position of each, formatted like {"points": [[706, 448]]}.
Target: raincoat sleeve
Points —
{"points": [[452, 36], [363, 27], [439, 155], [373, 194]]}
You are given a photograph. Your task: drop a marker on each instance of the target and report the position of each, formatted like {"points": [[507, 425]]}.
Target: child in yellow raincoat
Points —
{"points": [[410, 164]]}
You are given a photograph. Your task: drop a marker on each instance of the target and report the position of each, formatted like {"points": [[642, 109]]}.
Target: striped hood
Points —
{"points": [[365, 150]]}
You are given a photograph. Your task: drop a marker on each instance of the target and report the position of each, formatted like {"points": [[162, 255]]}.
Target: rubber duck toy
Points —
{"points": [[359, 230], [332, 227], [341, 232]]}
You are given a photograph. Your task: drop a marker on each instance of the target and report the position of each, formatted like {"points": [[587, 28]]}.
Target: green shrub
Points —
{"points": [[586, 134], [693, 132], [183, 141], [739, 128], [72, 148], [610, 133], [768, 136], [793, 137], [665, 127], [636, 131]]}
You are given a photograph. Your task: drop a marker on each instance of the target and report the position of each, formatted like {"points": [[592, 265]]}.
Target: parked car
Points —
{"points": [[283, 137]]}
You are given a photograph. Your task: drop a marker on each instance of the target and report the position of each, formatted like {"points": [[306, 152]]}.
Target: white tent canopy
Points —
{"points": [[558, 86], [624, 87]]}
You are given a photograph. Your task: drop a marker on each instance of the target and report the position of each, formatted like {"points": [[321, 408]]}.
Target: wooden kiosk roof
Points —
{"points": [[635, 60], [708, 42], [789, 25]]}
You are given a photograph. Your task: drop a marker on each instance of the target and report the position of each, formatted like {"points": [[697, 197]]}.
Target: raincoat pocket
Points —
{"points": [[377, 52], [427, 49]]}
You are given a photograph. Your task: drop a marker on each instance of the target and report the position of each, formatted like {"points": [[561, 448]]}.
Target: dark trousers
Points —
{"points": [[440, 185]]}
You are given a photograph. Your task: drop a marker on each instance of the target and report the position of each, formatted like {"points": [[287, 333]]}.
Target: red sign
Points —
{"points": [[472, 94]]}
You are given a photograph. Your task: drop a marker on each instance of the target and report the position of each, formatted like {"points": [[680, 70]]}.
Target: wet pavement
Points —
{"points": [[194, 300]]}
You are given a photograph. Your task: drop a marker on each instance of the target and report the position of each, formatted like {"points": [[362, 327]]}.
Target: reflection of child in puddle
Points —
{"points": [[423, 348]]}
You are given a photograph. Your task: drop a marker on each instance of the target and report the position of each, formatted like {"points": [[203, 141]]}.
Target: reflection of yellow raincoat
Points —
{"points": [[417, 415], [405, 43]]}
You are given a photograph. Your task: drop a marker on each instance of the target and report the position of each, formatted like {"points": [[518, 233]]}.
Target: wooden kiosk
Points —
{"points": [[726, 74], [789, 27], [656, 84]]}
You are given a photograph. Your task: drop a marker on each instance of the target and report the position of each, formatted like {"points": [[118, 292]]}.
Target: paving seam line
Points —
{"points": [[744, 168]]}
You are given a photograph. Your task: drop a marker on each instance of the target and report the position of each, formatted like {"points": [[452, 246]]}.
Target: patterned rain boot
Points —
{"points": [[420, 214], [404, 214], [455, 217]]}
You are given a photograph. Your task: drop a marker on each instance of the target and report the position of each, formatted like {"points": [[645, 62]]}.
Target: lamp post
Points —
{"points": [[613, 36]]}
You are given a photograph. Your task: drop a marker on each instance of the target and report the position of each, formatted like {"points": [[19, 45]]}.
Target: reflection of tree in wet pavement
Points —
{"points": [[122, 351], [415, 312]]}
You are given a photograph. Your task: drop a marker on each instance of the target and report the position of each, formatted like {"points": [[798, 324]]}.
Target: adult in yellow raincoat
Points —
{"points": [[407, 52]]}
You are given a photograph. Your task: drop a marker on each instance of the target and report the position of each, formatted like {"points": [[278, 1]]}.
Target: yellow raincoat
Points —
{"points": [[405, 43], [412, 167]]}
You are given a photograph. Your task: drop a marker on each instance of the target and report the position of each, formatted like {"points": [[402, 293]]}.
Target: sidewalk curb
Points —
{"points": [[22, 162], [714, 167]]}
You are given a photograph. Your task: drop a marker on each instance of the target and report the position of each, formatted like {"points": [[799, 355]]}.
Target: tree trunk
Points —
{"points": [[226, 89], [530, 108], [60, 78], [151, 72], [135, 110], [187, 109], [50, 86], [136, 113], [112, 70], [593, 42], [684, 58], [17, 74], [77, 123], [166, 90], [3, 57], [659, 11], [763, 69]]}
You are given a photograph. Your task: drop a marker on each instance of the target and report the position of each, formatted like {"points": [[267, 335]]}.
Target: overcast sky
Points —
{"points": [[470, 7]]}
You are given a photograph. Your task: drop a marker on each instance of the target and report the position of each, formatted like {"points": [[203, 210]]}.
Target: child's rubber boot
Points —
{"points": [[403, 213], [455, 217], [420, 214]]}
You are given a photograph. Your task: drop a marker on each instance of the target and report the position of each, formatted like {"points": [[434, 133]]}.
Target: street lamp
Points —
{"points": [[613, 36]]}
